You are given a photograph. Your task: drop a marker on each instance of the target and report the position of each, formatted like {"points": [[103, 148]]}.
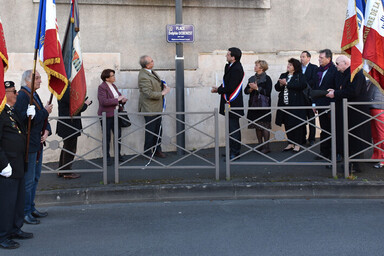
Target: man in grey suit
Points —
{"points": [[152, 91]]}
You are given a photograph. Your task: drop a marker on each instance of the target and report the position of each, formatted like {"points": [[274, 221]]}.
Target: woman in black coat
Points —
{"points": [[259, 88], [291, 85]]}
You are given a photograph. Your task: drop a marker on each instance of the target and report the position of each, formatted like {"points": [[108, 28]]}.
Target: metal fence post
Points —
{"points": [[217, 156], [333, 136], [346, 137], [104, 129], [227, 156], [116, 143]]}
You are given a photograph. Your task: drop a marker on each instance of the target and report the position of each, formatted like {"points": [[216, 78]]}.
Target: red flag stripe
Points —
{"points": [[3, 67]]}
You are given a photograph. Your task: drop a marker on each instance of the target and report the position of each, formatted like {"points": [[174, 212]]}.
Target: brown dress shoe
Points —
{"points": [[71, 176], [160, 154]]}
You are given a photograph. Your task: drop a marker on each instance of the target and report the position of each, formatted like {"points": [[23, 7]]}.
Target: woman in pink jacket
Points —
{"points": [[110, 99]]}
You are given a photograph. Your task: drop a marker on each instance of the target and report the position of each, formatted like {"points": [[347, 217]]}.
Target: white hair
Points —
{"points": [[26, 77]]}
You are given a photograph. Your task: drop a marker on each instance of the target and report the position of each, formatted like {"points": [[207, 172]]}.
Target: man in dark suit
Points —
{"points": [[326, 79], [152, 91], [64, 130], [12, 188], [355, 91], [231, 93], [310, 73]]}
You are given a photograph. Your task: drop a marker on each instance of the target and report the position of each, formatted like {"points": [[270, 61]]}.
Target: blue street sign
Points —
{"points": [[178, 33]]}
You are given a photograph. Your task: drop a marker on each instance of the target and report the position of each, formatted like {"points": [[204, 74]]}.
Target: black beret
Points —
{"points": [[9, 84]]}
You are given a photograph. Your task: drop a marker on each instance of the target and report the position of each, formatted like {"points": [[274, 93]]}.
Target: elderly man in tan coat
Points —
{"points": [[152, 91]]}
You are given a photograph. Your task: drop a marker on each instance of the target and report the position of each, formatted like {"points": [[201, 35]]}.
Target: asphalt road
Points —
{"points": [[240, 227]]}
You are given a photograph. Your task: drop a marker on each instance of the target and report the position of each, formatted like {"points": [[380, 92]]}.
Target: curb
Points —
{"points": [[212, 191]]}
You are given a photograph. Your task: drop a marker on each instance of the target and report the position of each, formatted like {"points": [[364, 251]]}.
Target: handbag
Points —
{"points": [[123, 118], [260, 101], [308, 94]]}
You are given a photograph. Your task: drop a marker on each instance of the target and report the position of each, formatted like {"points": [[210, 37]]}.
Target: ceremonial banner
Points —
{"points": [[73, 61], [373, 53], [352, 42], [3, 67], [48, 43]]}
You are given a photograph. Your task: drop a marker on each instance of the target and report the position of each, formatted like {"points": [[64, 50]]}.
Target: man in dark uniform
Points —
{"points": [[231, 93], [12, 189]]}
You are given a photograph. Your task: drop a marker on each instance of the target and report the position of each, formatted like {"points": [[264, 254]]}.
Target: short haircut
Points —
{"points": [[307, 53], [296, 65], [106, 74], [235, 52], [263, 64], [26, 77], [328, 53], [143, 61]]}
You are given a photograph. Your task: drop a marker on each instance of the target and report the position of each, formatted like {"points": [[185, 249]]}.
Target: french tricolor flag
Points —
{"points": [[373, 53], [48, 43], [352, 42]]}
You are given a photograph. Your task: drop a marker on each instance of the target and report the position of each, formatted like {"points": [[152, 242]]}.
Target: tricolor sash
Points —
{"points": [[235, 93]]}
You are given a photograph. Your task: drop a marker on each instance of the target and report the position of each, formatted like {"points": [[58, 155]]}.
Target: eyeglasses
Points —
{"points": [[14, 91]]}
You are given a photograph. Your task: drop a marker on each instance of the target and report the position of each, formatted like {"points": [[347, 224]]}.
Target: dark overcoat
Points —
{"points": [[295, 98], [265, 89], [355, 91], [233, 77], [64, 126]]}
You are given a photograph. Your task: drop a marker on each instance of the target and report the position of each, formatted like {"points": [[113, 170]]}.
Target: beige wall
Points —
{"points": [[115, 36]]}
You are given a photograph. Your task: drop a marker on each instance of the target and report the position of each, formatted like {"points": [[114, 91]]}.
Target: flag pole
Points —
{"points": [[30, 103], [33, 79]]}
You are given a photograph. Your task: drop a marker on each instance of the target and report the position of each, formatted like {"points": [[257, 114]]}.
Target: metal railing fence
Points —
{"points": [[88, 165], [211, 140], [280, 135], [196, 125], [355, 153]]}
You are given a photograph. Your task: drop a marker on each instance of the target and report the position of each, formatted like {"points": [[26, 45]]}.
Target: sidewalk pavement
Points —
{"points": [[247, 181]]}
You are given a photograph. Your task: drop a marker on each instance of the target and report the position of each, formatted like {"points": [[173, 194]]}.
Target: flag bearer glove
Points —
{"points": [[7, 171], [31, 111]]}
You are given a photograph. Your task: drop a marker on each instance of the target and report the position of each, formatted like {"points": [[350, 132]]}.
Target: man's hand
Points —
{"points": [[214, 89], [49, 108], [45, 136], [88, 102], [166, 90], [331, 93]]}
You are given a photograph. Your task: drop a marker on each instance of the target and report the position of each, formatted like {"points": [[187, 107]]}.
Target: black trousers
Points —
{"points": [[296, 135], [152, 133], [12, 197], [234, 146], [325, 124], [70, 144], [110, 128], [312, 128]]}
